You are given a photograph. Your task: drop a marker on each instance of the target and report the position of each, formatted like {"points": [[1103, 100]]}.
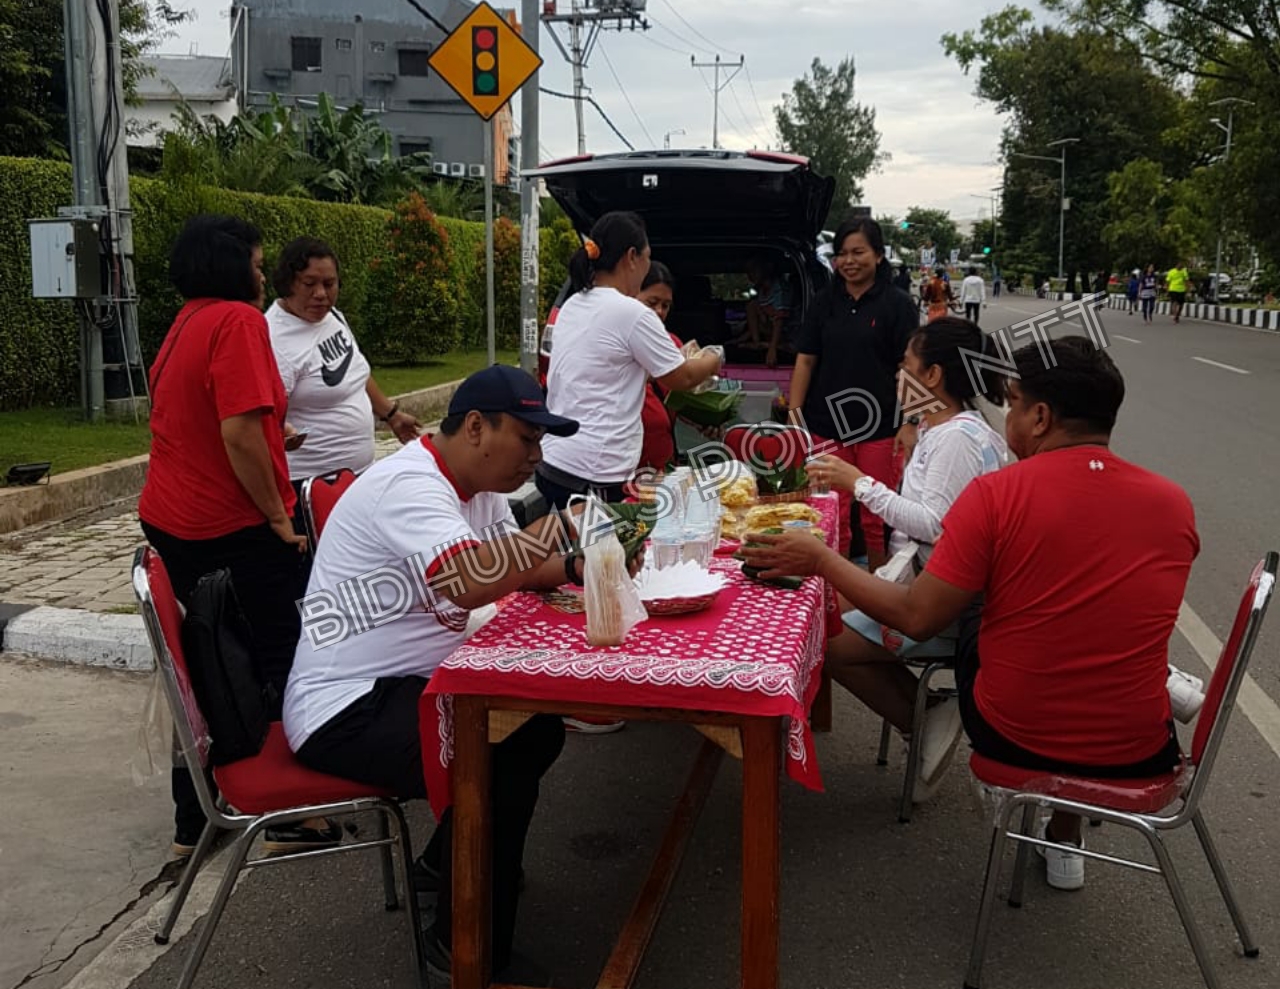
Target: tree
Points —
{"points": [[927, 228], [33, 112], [1053, 84], [821, 120], [354, 158]]}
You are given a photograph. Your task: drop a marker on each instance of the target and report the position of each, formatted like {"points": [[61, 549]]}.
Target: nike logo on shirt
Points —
{"points": [[330, 349]]}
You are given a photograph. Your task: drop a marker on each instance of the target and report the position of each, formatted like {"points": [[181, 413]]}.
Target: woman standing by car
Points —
{"points": [[844, 382], [659, 447], [217, 492], [332, 397], [607, 345]]}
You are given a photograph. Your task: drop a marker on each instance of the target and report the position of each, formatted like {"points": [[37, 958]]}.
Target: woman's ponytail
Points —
{"points": [[966, 356], [612, 237]]}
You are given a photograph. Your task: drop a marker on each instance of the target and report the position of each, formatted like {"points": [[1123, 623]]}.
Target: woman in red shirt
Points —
{"points": [[217, 492], [659, 448]]}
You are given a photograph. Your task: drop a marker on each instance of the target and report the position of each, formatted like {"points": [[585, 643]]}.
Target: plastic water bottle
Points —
{"points": [[665, 543], [701, 523]]}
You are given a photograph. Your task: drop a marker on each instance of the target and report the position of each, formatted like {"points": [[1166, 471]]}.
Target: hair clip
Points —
{"points": [[591, 247]]}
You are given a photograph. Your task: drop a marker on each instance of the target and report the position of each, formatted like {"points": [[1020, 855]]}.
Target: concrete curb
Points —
{"points": [[93, 487], [81, 638]]}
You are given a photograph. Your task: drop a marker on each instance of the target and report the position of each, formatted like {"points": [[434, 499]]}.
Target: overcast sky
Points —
{"points": [[943, 141]]}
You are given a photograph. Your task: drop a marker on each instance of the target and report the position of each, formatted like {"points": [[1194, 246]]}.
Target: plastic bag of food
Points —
{"points": [[612, 601]]}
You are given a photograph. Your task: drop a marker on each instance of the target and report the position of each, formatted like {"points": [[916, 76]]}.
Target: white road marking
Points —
{"points": [[1254, 702], [1125, 339], [1225, 367]]}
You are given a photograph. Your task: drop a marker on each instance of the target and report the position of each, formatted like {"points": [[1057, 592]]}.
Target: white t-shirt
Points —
{"points": [[324, 375], [605, 345], [401, 520], [946, 458], [973, 289]]}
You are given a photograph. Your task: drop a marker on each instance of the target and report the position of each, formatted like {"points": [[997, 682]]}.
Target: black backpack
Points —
{"points": [[218, 644]]}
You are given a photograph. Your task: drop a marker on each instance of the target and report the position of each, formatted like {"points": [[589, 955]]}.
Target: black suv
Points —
{"points": [[708, 214]]}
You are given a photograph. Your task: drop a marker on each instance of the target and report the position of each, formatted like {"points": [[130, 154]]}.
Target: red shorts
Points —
{"points": [[875, 459]]}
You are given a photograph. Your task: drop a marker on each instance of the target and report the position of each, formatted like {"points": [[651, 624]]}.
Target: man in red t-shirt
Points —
{"points": [[1083, 559]]}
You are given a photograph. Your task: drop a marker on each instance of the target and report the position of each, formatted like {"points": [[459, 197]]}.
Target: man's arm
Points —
{"points": [[921, 609], [484, 572]]}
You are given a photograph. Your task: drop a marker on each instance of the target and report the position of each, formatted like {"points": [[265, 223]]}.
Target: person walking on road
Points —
{"points": [[995, 285], [1177, 282], [937, 296], [1131, 291], [973, 293], [1147, 293]]}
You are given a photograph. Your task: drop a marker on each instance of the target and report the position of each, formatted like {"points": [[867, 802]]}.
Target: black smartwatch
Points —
{"points": [[570, 570]]}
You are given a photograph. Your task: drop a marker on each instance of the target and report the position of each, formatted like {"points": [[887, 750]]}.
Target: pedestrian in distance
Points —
{"points": [[903, 279], [1131, 291], [995, 285], [1147, 285], [937, 296], [1177, 281], [973, 295]]}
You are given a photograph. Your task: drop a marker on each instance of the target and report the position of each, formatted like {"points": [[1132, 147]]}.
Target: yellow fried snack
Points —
{"points": [[771, 516], [738, 493]]}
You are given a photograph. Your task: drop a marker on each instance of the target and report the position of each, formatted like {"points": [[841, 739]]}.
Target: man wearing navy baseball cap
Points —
{"points": [[435, 512]]}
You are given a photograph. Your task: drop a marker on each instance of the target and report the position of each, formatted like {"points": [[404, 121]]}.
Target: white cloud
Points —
{"points": [[943, 142]]}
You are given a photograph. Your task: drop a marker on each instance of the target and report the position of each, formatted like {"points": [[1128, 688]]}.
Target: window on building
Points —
{"points": [[415, 146], [378, 47], [413, 61], [342, 44], [306, 54]]}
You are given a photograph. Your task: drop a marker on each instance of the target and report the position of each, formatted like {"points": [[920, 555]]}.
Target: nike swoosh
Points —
{"points": [[334, 377]]}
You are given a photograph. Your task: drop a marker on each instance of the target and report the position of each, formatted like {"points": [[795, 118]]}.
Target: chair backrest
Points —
{"points": [[1224, 685], [319, 495], [162, 615], [764, 444]]}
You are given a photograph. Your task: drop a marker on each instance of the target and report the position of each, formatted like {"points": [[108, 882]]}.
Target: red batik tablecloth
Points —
{"points": [[757, 650]]}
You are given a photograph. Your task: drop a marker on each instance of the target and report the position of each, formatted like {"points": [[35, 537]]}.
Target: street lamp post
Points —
{"points": [[1062, 191], [1230, 102], [666, 138]]}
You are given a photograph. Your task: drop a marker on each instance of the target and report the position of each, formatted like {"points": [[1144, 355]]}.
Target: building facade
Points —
{"points": [[203, 82], [297, 49]]}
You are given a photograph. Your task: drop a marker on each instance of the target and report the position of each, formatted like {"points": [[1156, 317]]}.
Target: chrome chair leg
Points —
{"points": [[906, 803], [416, 933], [1224, 884], [391, 900], [238, 853], [973, 977], [882, 756], [1020, 860], [1198, 948], [189, 873]]}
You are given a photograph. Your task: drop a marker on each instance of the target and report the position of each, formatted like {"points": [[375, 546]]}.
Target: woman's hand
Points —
{"points": [[832, 472], [905, 440], [283, 527], [791, 554], [405, 427]]}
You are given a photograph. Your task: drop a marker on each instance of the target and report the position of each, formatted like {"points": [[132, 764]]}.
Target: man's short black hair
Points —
{"points": [[449, 425], [1084, 388], [213, 259]]}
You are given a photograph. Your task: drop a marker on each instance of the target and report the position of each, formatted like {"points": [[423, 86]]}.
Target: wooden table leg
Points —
{"points": [[472, 844], [820, 714], [761, 798]]}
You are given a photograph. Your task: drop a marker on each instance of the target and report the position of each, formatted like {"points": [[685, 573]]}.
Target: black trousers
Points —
{"points": [[990, 743], [558, 493], [266, 573], [973, 311], [375, 741]]}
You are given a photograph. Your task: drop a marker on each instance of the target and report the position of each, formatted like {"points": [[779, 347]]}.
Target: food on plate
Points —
{"points": [[739, 492], [732, 524], [775, 515]]}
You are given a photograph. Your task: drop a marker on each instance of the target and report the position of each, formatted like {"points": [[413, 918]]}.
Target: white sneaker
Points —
{"points": [[1063, 870], [1186, 694], [939, 737]]}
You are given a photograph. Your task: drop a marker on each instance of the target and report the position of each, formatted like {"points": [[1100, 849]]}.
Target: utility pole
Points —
{"points": [[529, 241], [1063, 202], [586, 19], [112, 375], [666, 138], [1230, 102], [716, 88]]}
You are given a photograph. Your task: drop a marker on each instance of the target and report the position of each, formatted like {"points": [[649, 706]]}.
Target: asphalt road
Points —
{"points": [[1199, 408]]}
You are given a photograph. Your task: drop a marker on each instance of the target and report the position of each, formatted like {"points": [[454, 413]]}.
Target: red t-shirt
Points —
{"points": [[215, 363], [659, 447], [1084, 559]]}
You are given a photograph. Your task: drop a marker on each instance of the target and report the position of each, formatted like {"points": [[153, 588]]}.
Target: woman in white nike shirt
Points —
{"points": [[333, 398]]}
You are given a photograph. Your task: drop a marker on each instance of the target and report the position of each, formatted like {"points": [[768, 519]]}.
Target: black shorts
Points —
{"points": [[1178, 298], [987, 741]]}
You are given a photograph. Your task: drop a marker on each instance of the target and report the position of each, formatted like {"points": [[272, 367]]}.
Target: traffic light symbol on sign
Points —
{"points": [[484, 61]]}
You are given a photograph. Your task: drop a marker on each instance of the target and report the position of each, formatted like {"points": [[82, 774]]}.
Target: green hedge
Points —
{"points": [[39, 339]]}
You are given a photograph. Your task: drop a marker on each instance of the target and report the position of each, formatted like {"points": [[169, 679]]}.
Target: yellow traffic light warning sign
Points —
{"points": [[485, 60]]}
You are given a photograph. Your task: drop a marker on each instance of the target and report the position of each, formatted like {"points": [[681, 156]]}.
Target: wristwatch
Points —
{"points": [[570, 568], [862, 486]]}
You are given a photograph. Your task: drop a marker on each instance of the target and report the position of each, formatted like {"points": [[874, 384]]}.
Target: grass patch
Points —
{"points": [[397, 379], [64, 438], [122, 609]]}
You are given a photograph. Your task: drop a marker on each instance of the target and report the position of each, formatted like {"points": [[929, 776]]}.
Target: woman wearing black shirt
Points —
{"points": [[845, 378]]}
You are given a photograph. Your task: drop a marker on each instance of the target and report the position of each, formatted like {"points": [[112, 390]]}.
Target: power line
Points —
{"points": [[755, 131], [662, 44], [427, 14], [698, 33], [600, 110], [680, 38], [751, 85], [623, 90]]}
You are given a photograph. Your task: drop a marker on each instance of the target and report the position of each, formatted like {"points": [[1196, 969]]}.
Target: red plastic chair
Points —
{"points": [[269, 789], [319, 495], [1148, 806]]}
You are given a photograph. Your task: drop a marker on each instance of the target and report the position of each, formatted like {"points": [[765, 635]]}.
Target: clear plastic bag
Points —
{"points": [[612, 601], [154, 754]]}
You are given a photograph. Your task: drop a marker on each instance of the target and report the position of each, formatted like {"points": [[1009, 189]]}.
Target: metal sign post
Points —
{"points": [[486, 62]]}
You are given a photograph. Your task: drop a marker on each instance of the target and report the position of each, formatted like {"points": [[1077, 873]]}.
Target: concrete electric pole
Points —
{"points": [[717, 65]]}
